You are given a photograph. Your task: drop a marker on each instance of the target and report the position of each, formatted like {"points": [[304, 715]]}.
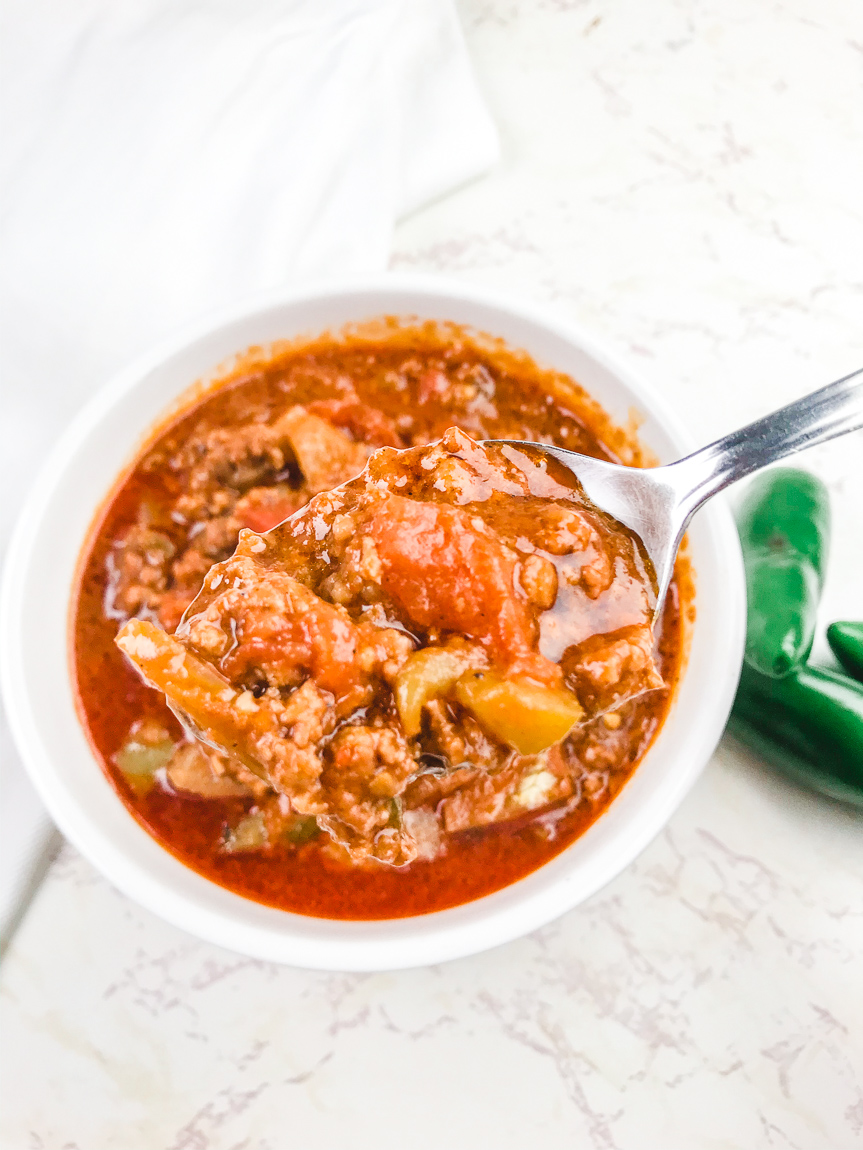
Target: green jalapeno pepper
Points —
{"points": [[784, 525], [809, 724], [846, 640]]}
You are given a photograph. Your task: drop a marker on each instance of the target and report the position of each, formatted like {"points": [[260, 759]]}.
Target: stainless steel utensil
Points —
{"points": [[658, 502]]}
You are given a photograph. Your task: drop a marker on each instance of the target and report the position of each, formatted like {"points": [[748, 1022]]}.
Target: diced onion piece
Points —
{"points": [[250, 834], [426, 675], [138, 759], [191, 770], [534, 789], [327, 456], [424, 828], [519, 712]]}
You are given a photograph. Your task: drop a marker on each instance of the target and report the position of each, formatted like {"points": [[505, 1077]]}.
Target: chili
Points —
{"points": [[784, 525], [846, 642], [255, 448], [809, 724]]}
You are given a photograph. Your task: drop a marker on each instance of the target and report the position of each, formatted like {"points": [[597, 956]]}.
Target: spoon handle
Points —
{"points": [[832, 410]]}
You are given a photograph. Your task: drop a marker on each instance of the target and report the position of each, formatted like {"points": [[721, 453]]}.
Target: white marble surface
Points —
{"points": [[687, 179]]}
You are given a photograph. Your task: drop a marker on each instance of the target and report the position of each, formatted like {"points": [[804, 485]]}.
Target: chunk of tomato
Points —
{"points": [[448, 572]]}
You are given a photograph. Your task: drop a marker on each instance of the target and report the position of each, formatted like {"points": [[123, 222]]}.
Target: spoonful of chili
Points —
{"points": [[657, 503]]}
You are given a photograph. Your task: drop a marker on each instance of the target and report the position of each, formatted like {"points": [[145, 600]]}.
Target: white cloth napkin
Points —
{"points": [[164, 157]]}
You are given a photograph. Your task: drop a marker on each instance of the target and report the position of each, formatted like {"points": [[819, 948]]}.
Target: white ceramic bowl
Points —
{"points": [[39, 693]]}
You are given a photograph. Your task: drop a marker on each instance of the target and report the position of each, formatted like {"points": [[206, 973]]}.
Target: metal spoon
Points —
{"points": [[658, 502]]}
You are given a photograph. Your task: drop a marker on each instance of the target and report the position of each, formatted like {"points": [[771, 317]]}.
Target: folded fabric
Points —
{"points": [[166, 157]]}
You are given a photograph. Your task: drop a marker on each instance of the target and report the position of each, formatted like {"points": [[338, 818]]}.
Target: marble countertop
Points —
{"points": [[687, 181]]}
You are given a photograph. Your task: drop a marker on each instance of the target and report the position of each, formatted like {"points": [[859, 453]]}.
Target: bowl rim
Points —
{"points": [[211, 912]]}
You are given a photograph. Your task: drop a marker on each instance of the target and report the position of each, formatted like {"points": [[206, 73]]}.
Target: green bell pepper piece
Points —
{"points": [[784, 525], [846, 640]]}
